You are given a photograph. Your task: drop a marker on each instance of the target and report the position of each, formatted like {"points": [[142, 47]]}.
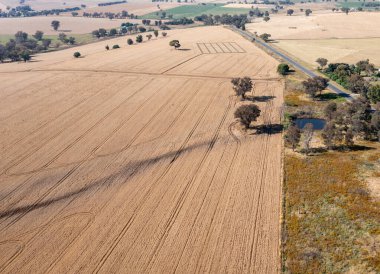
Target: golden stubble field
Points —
{"points": [[130, 160], [335, 36]]}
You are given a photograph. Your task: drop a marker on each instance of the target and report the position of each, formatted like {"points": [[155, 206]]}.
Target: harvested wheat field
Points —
{"points": [[335, 50], [320, 26], [130, 160]]}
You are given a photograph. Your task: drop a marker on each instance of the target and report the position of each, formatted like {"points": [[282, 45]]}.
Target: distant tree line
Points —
{"points": [[126, 28], [111, 3], [111, 15], [181, 21], [225, 19], [27, 11]]}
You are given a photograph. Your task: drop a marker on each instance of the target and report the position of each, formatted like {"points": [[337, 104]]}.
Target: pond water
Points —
{"points": [[318, 124]]}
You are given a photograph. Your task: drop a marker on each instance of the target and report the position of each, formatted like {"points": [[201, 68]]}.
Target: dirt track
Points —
{"points": [[131, 161]]}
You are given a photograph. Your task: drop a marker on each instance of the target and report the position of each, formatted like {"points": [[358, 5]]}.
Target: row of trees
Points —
{"points": [[225, 19], [139, 39], [245, 113], [27, 11], [111, 15]]}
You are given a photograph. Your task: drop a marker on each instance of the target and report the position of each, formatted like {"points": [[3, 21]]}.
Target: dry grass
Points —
{"points": [[332, 222]]}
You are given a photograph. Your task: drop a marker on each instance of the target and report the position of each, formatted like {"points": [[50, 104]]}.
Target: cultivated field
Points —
{"points": [[335, 50], [69, 24], [335, 36], [130, 160], [320, 26]]}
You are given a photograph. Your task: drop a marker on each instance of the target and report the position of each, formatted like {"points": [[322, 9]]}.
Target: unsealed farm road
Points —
{"points": [[131, 161]]}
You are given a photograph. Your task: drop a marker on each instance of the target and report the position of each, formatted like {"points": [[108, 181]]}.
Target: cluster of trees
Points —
{"points": [[356, 78], [225, 19], [67, 40], [345, 123], [22, 47], [111, 3], [315, 85], [27, 11], [294, 135], [181, 21], [111, 15], [350, 120], [245, 113], [125, 28]]}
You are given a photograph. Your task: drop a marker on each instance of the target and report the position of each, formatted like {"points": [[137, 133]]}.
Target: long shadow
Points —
{"points": [[352, 148], [184, 49], [126, 173], [263, 98], [269, 129], [330, 96]]}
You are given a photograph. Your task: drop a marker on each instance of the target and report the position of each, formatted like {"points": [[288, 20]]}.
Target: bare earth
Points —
{"points": [[130, 160]]}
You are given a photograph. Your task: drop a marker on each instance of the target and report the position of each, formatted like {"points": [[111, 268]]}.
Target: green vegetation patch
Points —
{"points": [[191, 11]]}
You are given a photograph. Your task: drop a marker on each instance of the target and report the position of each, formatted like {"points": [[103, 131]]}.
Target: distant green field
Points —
{"points": [[191, 11]]}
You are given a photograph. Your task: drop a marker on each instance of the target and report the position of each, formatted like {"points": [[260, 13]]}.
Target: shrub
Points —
{"points": [[130, 41], [77, 54], [283, 69], [139, 38], [115, 46]]}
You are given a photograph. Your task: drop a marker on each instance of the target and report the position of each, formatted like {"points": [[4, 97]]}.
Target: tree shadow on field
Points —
{"points": [[352, 148], [117, 178], [269, 129], [330, 96], [262, 98]]}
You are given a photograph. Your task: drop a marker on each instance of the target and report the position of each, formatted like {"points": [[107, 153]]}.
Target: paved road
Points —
{"points": [[295, 64]]}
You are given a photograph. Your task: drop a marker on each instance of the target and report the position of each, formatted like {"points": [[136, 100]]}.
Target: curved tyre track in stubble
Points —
{"points": [[72, 170], [41, 229], [130, 144], [236, 152], [7, 170], [105, 204], [16, 142], [178, 206], [77, 167], [179, 151], [267, 117]]}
